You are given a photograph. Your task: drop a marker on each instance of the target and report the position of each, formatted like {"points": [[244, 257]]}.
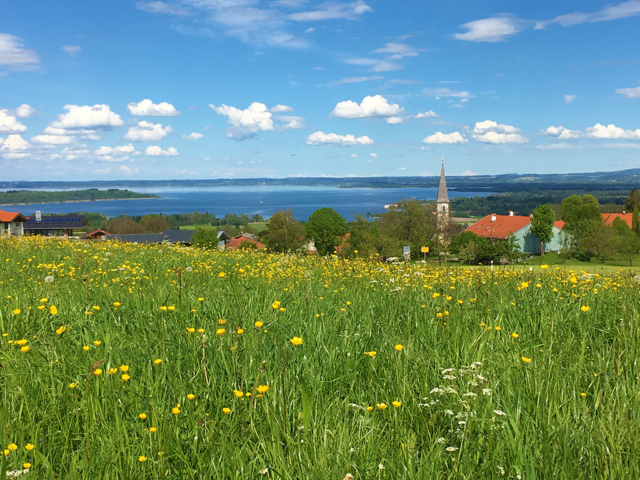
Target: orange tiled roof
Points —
{"points": [[11, 217], [610, 217], [502, 227], [235, 242], [559, 224]]}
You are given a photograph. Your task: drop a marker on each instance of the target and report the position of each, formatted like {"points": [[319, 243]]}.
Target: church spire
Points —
{"points": [[442, 188]]}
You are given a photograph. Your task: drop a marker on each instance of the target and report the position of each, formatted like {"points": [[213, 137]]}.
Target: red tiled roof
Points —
{"points": [[610, 217], [559, 224], [235, 242], [11, 217], [99, 232], [502, 227]]}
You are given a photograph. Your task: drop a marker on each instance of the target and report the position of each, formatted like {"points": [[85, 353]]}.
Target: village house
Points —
{"points": [[11, 223], [54, 225], [499, 227]]}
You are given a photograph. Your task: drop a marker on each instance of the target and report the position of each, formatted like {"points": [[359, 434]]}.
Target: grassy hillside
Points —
{"points": [[122, 361]]}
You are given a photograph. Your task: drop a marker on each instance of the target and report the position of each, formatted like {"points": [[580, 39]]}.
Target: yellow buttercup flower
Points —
{"points": [[258, 324], [12, 446], [240, 331], [124, 368], [191, 396], [116, 304], [525, 359], [153, 429], [29, 446], [371, 353], [97, 372], [53, 310], [396, 404], [398, 347], [584, 308], [24, 349], [157, 361], [97, 343], [16, 311], [175, 410], [263, 389], [113, 370], [142, 416], [238, 393], [369, 408], [515, 335], [220, 331], [296, 341], [191, 329], [142, 459], [381, 406], [226, 411], [125, 377], [26, 466]]}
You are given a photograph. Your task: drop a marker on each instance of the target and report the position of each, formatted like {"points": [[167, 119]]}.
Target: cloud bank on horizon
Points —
{"points": [[276, 88]]}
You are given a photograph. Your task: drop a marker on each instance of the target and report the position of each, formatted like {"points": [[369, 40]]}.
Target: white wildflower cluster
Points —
{"points": [[465, 391]]}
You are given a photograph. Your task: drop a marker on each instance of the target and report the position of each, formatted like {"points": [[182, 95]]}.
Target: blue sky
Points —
{"points": [[252, 88]]}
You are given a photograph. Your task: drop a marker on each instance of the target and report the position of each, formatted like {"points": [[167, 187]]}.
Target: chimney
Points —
{"points": [[493, 217], [511, 213], [38, 215]]}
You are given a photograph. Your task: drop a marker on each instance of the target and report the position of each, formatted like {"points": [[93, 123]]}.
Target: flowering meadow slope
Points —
{"points": [[122, 361]]}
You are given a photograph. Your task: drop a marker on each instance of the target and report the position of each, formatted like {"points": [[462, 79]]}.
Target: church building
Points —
{"points": [[442, 207]]}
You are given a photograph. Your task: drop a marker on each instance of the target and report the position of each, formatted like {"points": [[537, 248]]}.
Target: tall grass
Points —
{"points": [[503, 373]]}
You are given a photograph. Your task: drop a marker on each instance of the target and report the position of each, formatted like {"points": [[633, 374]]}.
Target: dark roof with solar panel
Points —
{"points": [[56, 222]]}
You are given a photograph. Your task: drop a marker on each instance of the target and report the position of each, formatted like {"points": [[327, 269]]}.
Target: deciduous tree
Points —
{"points": [[542, 225], [326, 227]]}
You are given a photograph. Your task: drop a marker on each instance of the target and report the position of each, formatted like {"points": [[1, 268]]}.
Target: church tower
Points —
{"points": [[442, 206]]}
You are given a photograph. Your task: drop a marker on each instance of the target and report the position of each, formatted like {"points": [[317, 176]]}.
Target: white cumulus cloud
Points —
{"points": [[494, 133], [373, 155], [146, 108], [493, 29], [156, 151], [429, 114], [98, 116], [446, 138], [612, 132], [562, 133], [394, 120], [371, 107], [14, 147], [128, 170], [120, 150], [147, 132], [629, 92], [247, 122], [53, 139], [9, 124], [468, 173], [25, 111], [280, 109], [193, 136], [569, 98], [320, 138]]}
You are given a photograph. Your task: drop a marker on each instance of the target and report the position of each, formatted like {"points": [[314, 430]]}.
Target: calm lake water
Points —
{"points": [[250, 200]]}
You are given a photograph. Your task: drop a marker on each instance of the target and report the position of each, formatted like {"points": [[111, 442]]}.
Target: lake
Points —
{"points": [[250, 200]]}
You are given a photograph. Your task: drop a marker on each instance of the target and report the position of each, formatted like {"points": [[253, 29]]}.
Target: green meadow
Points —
{"points": [[141, 362]]}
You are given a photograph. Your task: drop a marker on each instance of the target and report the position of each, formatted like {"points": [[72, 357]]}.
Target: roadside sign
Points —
{"points": [[424, 249]]}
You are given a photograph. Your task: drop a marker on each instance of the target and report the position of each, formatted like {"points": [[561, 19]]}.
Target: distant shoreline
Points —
{"points": [[80, 201]]}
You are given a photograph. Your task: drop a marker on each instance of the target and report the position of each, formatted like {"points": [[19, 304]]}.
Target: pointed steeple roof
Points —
{"points": [[442, 188]]}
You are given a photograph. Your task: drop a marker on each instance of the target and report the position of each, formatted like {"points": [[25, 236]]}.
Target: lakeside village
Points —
{"points": [[405, 229]]}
